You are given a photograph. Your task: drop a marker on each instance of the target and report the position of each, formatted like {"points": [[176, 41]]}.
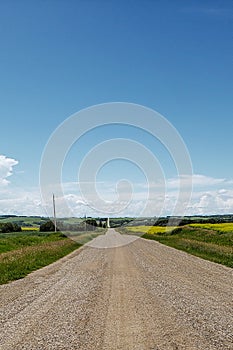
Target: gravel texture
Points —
{"points": [[139, 296]]}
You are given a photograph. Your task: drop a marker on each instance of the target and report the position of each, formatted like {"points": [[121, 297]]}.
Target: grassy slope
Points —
{"points": [[208, 243], [24, 220], [22, 253]]}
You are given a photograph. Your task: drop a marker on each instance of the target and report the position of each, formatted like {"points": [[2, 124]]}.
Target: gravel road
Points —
{"points": [[140, 296]]}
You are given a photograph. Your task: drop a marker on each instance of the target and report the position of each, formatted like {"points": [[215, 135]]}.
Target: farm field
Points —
{"points": [[149, 229], [213, 242], [25, 221], [30, 228], [34, 222], [225, 227]]}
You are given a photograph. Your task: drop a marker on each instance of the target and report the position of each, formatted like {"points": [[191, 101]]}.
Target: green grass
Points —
{"points": [[24, 220], [207, 243], [22, 253], [72, 220], [17, 240]]}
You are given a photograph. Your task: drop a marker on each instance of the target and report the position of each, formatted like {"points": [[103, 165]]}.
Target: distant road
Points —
{"points": [[141, 296]]}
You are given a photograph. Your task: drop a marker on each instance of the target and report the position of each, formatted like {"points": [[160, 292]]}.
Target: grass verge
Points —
{"points": [[24, 253], [210, 244]]}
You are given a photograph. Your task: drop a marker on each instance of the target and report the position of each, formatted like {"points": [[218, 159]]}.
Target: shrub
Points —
{"points": [[9, 227], [47, 226]]}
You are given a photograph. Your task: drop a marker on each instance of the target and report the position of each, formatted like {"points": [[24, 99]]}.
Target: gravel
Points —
{"points": [[140, 295]]}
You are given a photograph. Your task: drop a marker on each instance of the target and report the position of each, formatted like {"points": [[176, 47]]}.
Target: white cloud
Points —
{"points": [[196, 180], [210, 196], [21, 202], [6, 169], [210, 203]]}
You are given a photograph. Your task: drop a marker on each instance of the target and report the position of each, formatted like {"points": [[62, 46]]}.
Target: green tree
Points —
{"points": [[9, 227], [48, 226]]}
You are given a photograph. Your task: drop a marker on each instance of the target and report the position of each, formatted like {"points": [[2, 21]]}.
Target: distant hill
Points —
{"points": [[36, 221]]}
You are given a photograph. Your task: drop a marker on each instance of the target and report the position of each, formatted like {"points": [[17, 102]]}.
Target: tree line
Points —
{"points": [[8, 227]]}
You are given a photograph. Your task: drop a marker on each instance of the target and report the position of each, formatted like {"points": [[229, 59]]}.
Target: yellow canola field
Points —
{"points": [[28, 228], [150, 229], [226, 227]]}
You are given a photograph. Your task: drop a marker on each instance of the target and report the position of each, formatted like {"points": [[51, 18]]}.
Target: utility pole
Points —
{"points": [[54, 214]]}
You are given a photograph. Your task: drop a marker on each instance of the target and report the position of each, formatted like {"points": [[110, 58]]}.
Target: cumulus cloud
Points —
{"points": [[209, 196], [18, 201], [211, 202], [6, 169]]}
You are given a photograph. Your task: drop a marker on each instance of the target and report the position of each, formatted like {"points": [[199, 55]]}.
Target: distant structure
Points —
{"points": [[54, 214], [108, 225]]}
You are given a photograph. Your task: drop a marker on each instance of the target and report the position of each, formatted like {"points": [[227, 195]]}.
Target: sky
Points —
{"points": [[60, 57]]}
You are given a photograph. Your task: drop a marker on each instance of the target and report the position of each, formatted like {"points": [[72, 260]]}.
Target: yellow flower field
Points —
{"points": [[226, 227], [28, 228], [150, 229]]}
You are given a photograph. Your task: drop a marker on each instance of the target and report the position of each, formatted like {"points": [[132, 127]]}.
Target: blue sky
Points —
{"points": [[58, 57]]}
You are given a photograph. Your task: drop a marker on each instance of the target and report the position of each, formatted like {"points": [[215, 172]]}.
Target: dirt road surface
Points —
{"points": [[140, 296]]}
